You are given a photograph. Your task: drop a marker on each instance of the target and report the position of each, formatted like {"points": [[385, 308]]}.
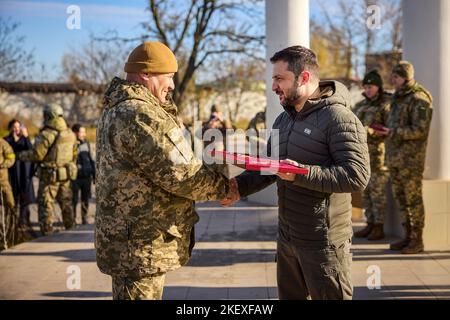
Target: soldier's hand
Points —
{"points": [[233, 194]]}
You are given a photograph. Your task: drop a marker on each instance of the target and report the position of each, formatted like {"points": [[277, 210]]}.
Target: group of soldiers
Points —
{"points": [[64, 167], [397, 132]]}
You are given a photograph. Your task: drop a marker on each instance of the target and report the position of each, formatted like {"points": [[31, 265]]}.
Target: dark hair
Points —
{"points": [[76, 127], [299, 59], [12, 122]]}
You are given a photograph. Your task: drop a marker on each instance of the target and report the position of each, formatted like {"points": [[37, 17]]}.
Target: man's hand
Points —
{"points": [[233, 194], [287, 176], [24, 131]]}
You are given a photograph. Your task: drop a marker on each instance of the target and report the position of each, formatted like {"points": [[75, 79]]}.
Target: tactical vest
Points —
{"points": [[61, 156]]}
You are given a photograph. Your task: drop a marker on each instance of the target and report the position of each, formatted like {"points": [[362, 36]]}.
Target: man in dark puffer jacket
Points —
{"points": [[319, 131]]}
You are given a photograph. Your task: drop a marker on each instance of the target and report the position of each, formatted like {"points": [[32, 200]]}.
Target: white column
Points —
{"points": [[426, 29], [287, 24]]}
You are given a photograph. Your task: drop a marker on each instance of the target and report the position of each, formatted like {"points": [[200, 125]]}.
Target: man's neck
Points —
{"points": [[312, 93]]}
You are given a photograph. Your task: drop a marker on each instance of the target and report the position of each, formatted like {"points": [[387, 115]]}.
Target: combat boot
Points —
{"points": [[415, 244], [399, 245], [364, 232], [377, 232]]}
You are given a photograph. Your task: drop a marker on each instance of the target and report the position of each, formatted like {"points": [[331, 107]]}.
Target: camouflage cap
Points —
{"points": [[404, 69], [373, 78]]}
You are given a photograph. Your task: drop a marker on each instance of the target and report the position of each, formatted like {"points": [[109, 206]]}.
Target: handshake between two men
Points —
{"points": [[234, 195]]}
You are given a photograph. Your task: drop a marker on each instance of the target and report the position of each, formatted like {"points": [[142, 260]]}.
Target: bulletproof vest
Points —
{"points": [[62, 150]]}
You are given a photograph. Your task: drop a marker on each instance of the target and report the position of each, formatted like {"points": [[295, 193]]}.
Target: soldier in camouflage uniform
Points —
{"points": [[147, 178], [55, 151], [407, 134], [7, 159], [374, 110]]}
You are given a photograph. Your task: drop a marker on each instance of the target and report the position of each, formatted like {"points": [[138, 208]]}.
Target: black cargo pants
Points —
{"points": [[317, 273]]}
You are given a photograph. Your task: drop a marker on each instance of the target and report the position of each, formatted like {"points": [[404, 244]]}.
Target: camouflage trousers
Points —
{"points": [[8, 219], [374, 197], [47, 194], [146, 288], [407, 190]]}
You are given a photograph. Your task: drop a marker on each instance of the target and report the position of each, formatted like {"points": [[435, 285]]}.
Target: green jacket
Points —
{"points": [[374, 112], [409, 121], [147, 182]]}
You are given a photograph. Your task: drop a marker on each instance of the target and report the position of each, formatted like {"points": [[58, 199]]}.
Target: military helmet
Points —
{"points": [[52, 111]]}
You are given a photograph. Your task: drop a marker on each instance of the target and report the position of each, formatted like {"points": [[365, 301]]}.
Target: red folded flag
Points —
{"points": [[257, 164]]}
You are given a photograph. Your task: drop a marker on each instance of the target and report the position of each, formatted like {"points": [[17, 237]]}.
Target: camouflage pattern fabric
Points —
{"points": [[7, 203], [371, 112], [409, 121], [147, 181], [147, 288], [55, 150]]}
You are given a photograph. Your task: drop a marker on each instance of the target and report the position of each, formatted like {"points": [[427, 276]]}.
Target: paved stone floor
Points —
{"points": [[233, 259]]}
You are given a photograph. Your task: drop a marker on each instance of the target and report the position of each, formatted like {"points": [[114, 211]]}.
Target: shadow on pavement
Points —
{"points": [[226, 257], [79, 294], [79, 255]]}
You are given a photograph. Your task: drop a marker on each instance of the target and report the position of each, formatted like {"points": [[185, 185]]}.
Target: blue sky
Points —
{"points": [[44, 24]]}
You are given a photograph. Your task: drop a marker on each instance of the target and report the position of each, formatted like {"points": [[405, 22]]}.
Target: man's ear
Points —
{"points": [[304, 77], [144, 76]]}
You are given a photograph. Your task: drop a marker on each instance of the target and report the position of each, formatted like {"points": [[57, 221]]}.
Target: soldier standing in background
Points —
{"points": [[407, 131], [147, 178], [8, 208], [374, 110], [55, 152], [85, 174]]}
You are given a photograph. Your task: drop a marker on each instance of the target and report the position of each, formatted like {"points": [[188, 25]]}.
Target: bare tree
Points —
{"points": [[199, 30], [393, 17], [235, 78], [15, 61], [346, 31], [97, 62]]}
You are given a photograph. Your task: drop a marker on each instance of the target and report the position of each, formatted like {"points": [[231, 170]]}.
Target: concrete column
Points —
{"points": [[426, 29], [287, 24]]}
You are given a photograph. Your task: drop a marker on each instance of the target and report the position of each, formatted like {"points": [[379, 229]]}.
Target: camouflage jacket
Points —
{"points": [[55, 147], [147, 181], [409, 121], [374, 112], [7, 159]]}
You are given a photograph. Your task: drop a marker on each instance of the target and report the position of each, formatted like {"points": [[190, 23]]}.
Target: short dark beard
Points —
{"points": [[292, 96]]}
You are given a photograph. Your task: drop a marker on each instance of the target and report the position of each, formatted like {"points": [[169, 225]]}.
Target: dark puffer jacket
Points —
{"points": [[328, 139]]}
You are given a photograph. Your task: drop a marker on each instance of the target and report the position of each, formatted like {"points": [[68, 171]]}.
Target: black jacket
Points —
{"points": [[85, 163], [21, 173], [328, 139]]}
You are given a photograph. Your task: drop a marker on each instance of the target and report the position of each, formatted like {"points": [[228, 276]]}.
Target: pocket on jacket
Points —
{"points": [[181, 147]]}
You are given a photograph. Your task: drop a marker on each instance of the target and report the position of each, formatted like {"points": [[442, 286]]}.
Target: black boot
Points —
{"points": [[415, 244], [377, 232], [399, 245], [364, 232]]}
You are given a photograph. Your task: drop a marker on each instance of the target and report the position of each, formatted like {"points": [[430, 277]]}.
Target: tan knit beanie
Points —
{"points": [[151, 57]]}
